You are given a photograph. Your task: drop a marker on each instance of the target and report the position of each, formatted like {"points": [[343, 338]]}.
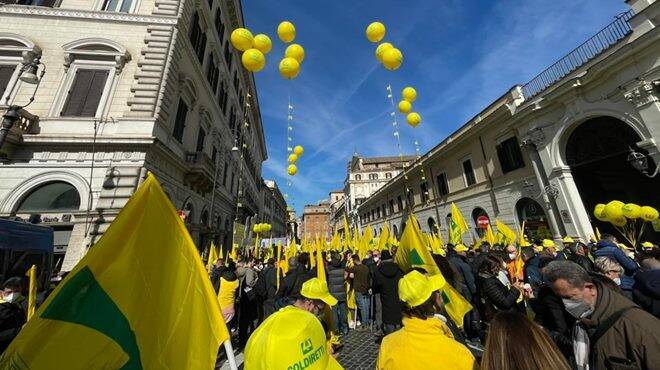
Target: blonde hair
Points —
{"points": [[516, 343]]}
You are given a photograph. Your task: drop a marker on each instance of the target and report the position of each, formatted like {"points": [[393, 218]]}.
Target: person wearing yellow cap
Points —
{"points": [[425, 341], [293, 337], [648, 245]]}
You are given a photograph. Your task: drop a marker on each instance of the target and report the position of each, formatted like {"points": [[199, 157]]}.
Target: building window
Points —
{"points": [[84, 96], [52, 197], [228, 55], [388, 175], [122, 6], [509, 154], [224, 176], [232, 118], [399, 203], [197, 38], [6, 73], [468, 171], [180, 121], [212, 74], [222, 97], [424, 192], [219, 25], [392, 206], [443, 185], [358, 177], [373, 176], [411, 197], [214, 154], [201, 137], [236, 82]]}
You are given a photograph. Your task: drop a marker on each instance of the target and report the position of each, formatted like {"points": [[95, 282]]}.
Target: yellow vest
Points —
{"points": [[423, 344], [227, 293]]}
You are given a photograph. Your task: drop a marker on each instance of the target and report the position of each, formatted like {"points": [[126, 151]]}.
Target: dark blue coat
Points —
{"points": [[612, 251]]}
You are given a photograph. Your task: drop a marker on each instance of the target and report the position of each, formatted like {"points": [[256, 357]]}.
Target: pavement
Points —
{"points": [[360, 351]]}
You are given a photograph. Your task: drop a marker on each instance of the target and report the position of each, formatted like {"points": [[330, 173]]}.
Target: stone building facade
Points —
{"points": [[315, 221], [130, 86], [584, 131], [275, 209]]}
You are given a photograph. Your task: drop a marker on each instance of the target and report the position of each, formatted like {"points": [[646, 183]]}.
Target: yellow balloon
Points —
{"points": [[375, 31], [404, 106], [631, 210], [241, 39], [618, 221], [409, 94], [296, 52], [649, 213], [292, 169], [262, 43], [289, 68], [413, 119], [293, 158], [599, 212], [613, 209], [392, 59], [253, 60], [286, 31], [298, 150], [381, 49]]}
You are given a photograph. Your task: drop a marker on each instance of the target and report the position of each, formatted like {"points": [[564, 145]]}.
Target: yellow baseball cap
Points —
{"points": [[647, 245], [547, 243], [291, 338], [568, 240], [415, 288], [460, 248], [316, 288]]}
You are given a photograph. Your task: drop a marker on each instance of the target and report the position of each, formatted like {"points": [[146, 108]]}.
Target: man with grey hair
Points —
{"points": [[611, 331]]}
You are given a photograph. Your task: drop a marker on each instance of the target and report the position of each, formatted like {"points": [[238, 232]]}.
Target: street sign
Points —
{"points": [[483, 222]]}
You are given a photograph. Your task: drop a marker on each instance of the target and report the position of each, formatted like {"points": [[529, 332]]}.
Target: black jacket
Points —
{"points": [[291, 283], [12, 318], [583, 261], [386, 283], [477, 261], [646, 291], [532, 272], [469, 287], [336, 280], [493, 293], [552, 315]]}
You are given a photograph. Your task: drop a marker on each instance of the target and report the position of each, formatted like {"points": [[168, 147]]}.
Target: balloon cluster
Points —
{"points": [[618, 213], [293, 158], [408, 96], [261, 228], [253, 47], [386, 53], [294, 53]]}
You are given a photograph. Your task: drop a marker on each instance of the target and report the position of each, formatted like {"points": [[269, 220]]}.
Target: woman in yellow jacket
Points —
{"points": [[227, 293], [425, 341]]}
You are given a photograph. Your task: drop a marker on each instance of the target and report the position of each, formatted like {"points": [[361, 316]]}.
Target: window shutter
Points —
{"points": [[93, 95], [76, 94], [6, 71]]}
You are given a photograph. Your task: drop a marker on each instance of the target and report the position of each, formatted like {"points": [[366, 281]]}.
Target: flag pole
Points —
{"points": [[230, 355]]}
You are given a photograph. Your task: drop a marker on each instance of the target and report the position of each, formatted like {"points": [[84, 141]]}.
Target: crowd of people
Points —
{"points": [[576, 306]]}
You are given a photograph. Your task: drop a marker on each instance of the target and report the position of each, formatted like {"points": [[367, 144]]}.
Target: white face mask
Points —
{"points": [[512, 256], [11, 297], [577, 307], [376, 259], [617, 281]]}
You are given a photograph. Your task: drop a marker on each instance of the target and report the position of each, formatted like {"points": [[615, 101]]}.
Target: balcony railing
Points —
{"points": [[603, 40], [46, 3]]}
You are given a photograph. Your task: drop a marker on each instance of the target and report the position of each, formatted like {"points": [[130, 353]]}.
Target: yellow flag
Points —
{"points": [[32, 291], [413, 253], [213, 256], [383, 238], [117, 309], [508, 236], [457, 226], [277, 264], [347, 234], [489, 236], [521, 238], [234, 252]]}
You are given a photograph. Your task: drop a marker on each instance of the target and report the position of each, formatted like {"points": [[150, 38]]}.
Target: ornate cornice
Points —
{"points": [[644, 93], [86, 14]]}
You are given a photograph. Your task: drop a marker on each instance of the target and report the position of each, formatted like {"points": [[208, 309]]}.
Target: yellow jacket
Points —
{"points": [[227, 293], [423, 344]]}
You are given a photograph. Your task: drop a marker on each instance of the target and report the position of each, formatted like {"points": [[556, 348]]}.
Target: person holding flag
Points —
{"points": [[425, 341]]}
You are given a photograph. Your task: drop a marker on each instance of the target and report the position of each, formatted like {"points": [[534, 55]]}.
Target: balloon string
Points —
{"points": [[397, 135]]}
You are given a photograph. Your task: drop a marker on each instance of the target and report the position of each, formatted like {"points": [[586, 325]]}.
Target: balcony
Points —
{"points": [[27, 124], [590, 49], [200, 171]]}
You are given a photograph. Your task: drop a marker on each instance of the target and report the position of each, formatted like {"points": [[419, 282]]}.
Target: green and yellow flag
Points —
{"points": [[383, 238], [213, 256], [413, 253], [139, 299], [504, 233], [457, 227]]}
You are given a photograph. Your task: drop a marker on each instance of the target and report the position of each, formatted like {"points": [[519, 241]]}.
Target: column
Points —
{"points": [[574, 215]]}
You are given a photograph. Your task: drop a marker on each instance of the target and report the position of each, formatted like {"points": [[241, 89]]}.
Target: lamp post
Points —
{"points": [[27, 74], [640, 162]]}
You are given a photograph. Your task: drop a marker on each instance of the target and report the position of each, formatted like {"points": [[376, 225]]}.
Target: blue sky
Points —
{"points": [[459, 55]]}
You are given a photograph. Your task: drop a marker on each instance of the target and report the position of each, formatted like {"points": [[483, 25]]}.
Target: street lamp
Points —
{"points": [[27, 74], [640, 162]]}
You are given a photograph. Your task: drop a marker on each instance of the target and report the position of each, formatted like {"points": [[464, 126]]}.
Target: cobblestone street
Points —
{"points": [[360, 350]]}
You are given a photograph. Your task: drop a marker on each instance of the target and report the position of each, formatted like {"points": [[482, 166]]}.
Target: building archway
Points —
{"points": [[431, 223], [476, 213], [532, 214], [597, 153]]}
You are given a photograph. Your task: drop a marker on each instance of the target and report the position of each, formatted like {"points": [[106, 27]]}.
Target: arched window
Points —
{"points": [[536, 224], [478, 213], [448, 220], [432, 225], [358, 177], [54, 197], [388, 175], [395, 230], [14, 51]]}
